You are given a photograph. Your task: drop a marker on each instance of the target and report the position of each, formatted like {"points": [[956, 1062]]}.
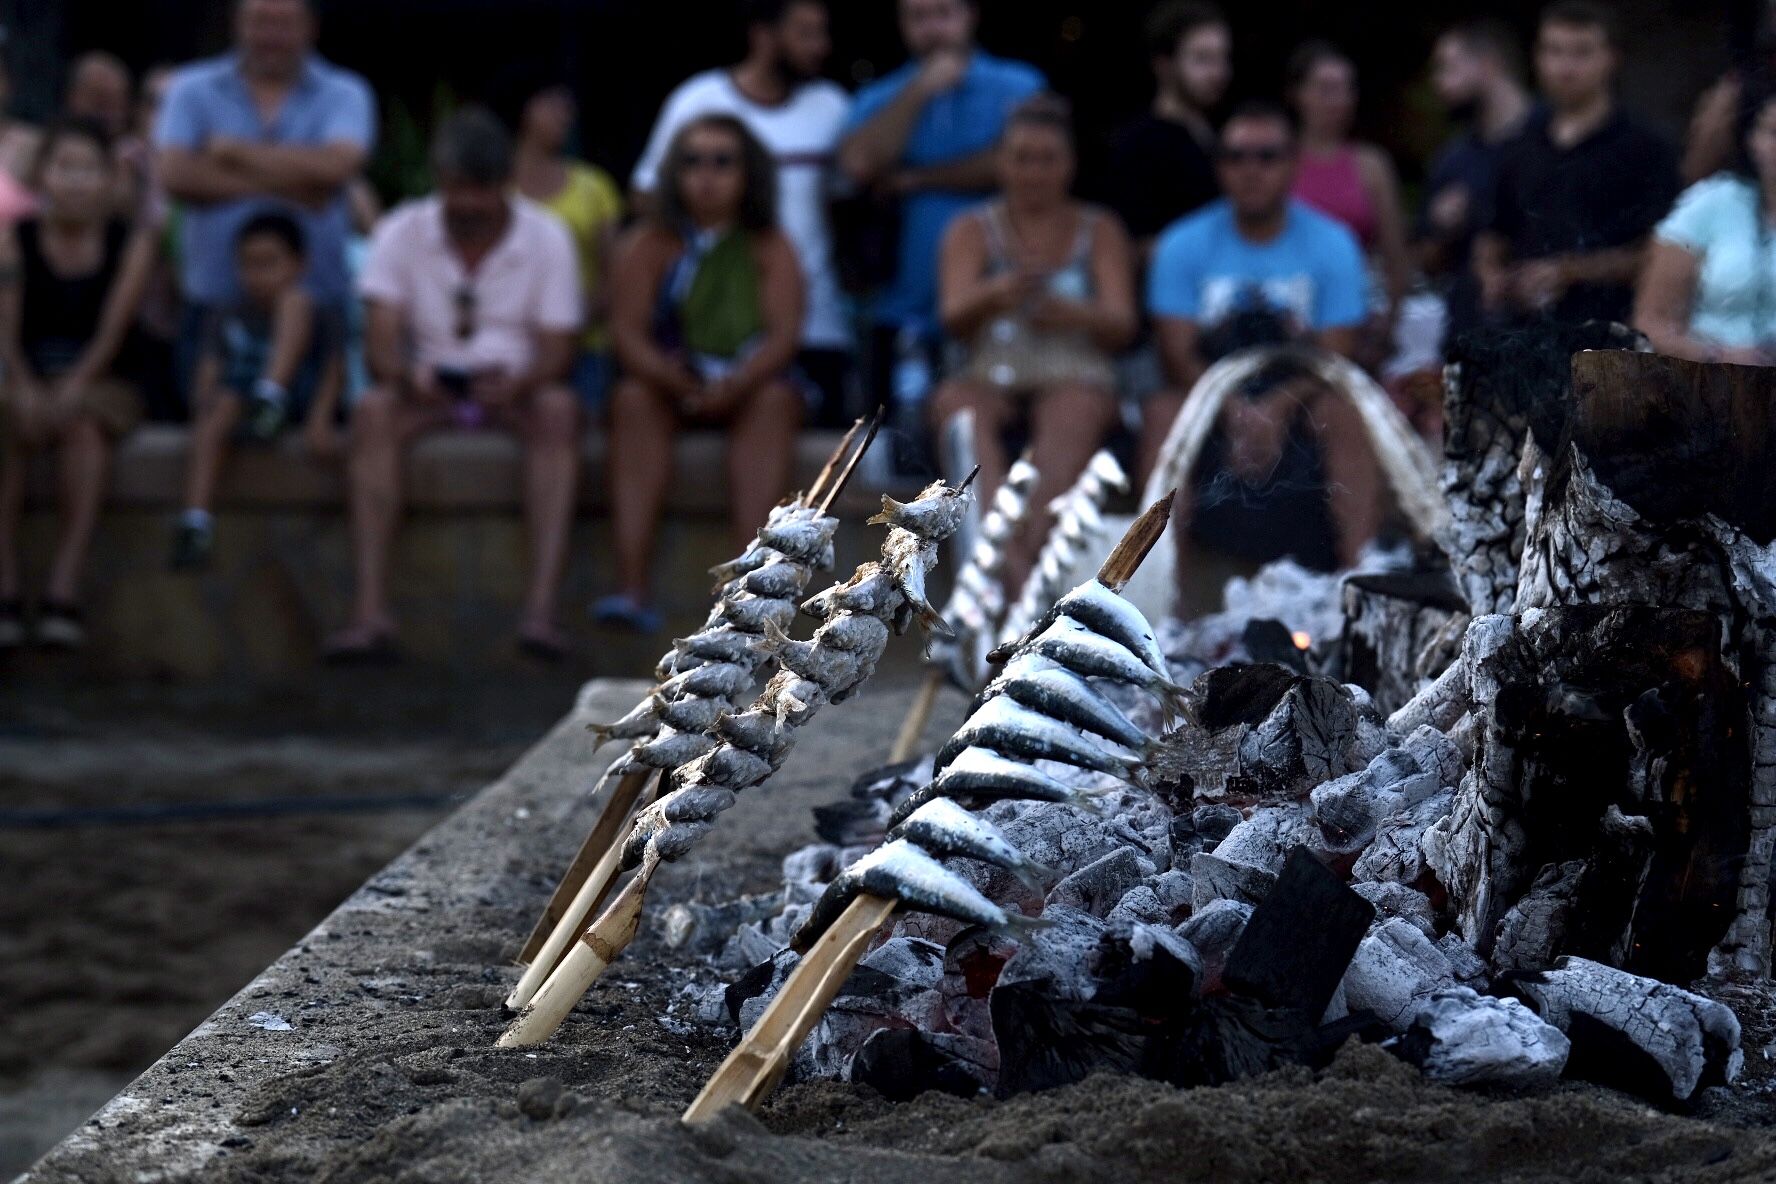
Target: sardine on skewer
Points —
{"points": [[1057, 692], [639, 724], [902, 871], [1006, 726], [944, 829]]}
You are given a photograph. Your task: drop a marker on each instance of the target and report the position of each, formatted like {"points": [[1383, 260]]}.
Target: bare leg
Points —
{"points": [[1352, 474], [992, 412], [761, 455], [1067, 425], [1157, 413], [12, 510], [85, 457], [551, 479], [209, 448], [373, 475], [642, 425]]}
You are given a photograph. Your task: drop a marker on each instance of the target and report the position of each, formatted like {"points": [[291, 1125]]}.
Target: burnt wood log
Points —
{"points": [[1505, 398], [1622, 801], [1401, 630]]}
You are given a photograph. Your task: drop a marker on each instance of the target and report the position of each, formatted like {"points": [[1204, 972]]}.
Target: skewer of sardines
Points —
{"points": [[977, 604], [1043, 692], [741, 750], [1079, 525]]}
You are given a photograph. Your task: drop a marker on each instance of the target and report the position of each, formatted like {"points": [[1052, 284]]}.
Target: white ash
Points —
{"points": [[1395, 969], [1212, 931], [1395, 854], [1100, 886], [1459, 1037], [1213, 879], [895, 985], [1398, 902]]}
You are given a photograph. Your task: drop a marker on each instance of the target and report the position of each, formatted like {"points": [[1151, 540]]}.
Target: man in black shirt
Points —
{"points": [[1162, 164], [1578, 190]]}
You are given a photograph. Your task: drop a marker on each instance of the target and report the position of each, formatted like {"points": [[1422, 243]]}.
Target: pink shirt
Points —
{"points": [[1333, 185], [529, 282]]}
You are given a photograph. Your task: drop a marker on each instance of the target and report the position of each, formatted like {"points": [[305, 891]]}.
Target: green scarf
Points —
{"points": [[720, 313]]}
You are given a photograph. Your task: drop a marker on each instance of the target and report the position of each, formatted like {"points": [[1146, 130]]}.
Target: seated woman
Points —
{"points": [[71, 281], [1708, 292], [706, 313], [1040, 288]]}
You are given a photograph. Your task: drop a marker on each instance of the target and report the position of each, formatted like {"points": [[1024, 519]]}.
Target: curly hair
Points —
{"points": [[1755, 93], [758, 194]]}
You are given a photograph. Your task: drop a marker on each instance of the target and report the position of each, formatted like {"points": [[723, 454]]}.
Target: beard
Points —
{"points": [[791, 74]]}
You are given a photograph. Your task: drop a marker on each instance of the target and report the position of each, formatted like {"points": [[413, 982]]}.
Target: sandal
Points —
{"points": [[544, 643], [362, 645], [625, 612], [60, 627]]}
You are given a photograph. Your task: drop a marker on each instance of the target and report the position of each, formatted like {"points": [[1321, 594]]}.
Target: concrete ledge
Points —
{"points": [[446, 472]]}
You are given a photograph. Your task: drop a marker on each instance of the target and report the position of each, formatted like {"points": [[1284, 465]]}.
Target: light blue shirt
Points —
{"points": [[961, 122], [1204, 271], [1720, 221], [209, 98]]}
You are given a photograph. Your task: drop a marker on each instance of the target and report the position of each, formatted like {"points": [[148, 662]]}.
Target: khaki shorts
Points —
{"points": [[115, 405]]}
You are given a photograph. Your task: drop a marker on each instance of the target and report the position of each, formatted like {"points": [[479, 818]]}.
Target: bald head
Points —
{"points": [[99, 90]]}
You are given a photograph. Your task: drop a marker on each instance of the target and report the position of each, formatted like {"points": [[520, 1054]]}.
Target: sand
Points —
{"points": [[389, 1072]]}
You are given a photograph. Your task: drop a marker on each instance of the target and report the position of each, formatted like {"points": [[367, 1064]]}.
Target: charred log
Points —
{"points": [[1401, 630]]}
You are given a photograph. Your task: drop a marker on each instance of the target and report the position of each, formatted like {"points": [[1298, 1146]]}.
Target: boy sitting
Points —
{"points": [[272, 359]]}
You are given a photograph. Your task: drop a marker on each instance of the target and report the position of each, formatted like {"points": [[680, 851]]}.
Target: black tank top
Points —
{"points": [[60, 314]]}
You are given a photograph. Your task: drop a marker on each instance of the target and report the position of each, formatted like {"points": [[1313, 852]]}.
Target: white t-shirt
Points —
{"points": [[802, 134]]}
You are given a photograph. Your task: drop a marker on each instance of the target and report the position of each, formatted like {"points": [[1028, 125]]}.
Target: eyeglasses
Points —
{"points": [[1251, 155], [466, 304], [711, 160]]}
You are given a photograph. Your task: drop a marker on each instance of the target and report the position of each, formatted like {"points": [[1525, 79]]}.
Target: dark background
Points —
{"points": [[624, 55]]}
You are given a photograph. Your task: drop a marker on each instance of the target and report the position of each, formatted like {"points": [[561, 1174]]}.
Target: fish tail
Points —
{"points": [[931, 618], [890, 514], [1018, 925], [601, 735], [1035, 876]]}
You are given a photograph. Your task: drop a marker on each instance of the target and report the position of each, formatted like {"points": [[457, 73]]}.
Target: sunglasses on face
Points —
{"points": [[711, 160], [1252, 155]]}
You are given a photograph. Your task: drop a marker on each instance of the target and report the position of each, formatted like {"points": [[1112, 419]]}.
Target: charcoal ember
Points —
{"points": [[1307, 738], [1059, 836], [1268, 640], [1203, 828], [1243, 694], [1435, 753], [1100, 885], [1139, 905], [1212, 932], [808, 870], [1633, 1032], [709, 1002], [1395, 624], [1228, 1038], [1460, 1037], [1300, 938], [751, 992], [1144, 822], [1213, 879], [1395, 969], [1265, 839], [1146, 967], [1397, 901], [896, 985], [1173, 888], [973, 962], [861, 816], [756, 941], [1057, 955], [1046, 1041], [1469, 968], [902, 1063], [1534, 930], [1349, 810], [700, 928], [1394, 854]]}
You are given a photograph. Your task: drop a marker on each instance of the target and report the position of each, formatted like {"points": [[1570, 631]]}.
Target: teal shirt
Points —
{"points": [[1718, 220]]}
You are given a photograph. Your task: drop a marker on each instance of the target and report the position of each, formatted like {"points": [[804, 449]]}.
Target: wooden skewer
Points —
{"points": [[917, 716], [753, 1069], [564, 920], [596, 949], [832, 464], [610, 934]]}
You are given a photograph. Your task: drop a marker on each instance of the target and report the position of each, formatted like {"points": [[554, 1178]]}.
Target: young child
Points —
{"points": [[271, 360]]}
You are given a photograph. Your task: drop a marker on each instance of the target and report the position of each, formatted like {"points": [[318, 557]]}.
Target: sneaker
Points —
{"points": [[59, 626], [624, 612], [12, 624], [265, 419], [193, 546]]}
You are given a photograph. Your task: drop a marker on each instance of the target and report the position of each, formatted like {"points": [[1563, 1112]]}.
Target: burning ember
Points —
{"points": [[1303, 640]]}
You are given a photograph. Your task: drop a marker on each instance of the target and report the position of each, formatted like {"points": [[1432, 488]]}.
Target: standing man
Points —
{"points": [[474, 316], [926, 134], [777, 92], [1288, 465], [1578, 191], [269, 124], [1162, 165], [1477, 70]]}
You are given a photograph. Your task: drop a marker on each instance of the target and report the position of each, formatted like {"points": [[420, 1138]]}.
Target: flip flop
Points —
{"points": [[544, 645], [361, 646], [624, 613]]}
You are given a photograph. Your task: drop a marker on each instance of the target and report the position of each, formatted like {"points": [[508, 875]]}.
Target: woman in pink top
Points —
{"points": [[1342, 178]]}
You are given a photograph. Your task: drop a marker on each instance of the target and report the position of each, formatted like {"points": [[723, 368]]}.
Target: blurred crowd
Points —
{"points": [[199, 244]]}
